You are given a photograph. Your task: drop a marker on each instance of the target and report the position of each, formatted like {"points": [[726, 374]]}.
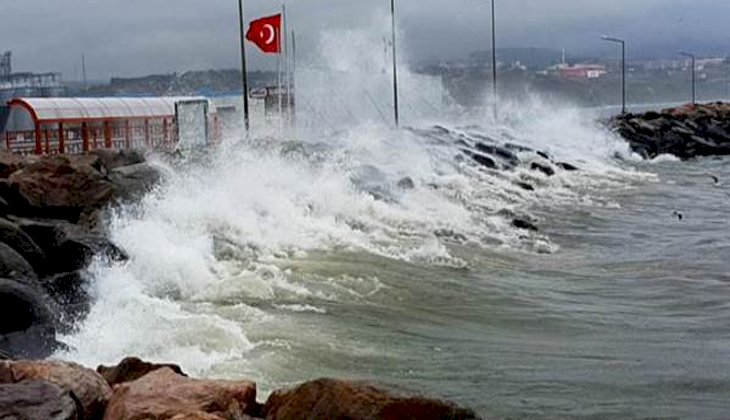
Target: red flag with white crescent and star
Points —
{"points": [[265, 33]]}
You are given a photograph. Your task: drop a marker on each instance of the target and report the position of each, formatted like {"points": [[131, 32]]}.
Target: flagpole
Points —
{"points": [[287, 63], [278, 71], [244, 72], [395, 65]]}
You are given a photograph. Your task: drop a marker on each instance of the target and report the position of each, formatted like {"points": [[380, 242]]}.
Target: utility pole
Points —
{"points": [[244, 71], [494, 62], [623, 68], [83, 69], [395, 66], [694, 75]]}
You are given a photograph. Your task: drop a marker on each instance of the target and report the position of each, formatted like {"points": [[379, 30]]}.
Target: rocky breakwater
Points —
{"points": [[51, 213], [135, 389], [686, 132]]}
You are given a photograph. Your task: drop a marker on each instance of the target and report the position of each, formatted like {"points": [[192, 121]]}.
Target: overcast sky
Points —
{"points": [[138, 37]]}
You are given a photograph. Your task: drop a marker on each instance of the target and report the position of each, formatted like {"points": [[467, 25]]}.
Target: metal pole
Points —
{"points": [[623, 77], [293, 75], [494, 61], [623, 69], [694, 81], [694, 75], [395, 65], [244, 71]]}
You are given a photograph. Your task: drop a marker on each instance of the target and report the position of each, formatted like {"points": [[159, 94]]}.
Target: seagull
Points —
{"points": [[715, 179], [678, 215]]}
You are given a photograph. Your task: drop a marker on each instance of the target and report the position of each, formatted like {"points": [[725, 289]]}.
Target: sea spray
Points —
{"points": [[235, 251]]}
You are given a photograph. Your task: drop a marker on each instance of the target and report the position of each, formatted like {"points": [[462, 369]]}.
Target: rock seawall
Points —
{"points": [[50, 230], [685, 132], [135, 390]]}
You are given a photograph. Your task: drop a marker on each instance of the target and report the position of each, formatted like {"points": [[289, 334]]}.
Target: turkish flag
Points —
{"points": [[266, 34]]}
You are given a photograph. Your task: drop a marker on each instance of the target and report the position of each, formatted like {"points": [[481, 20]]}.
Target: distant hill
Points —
{"points": [[206, 83]]}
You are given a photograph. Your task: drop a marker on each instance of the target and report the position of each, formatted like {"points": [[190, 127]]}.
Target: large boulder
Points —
{"points": [[76, 252], [335, 399], [163, 394], [86, 387], [31, 400], [13, 236], [70, 292], [22, 306], [14, 266], [113, 159], [134, 181], [62, 187], [131, 369], [27, 321]]}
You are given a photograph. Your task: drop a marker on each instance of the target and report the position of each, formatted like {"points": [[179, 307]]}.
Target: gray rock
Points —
{"points": [[36, 400], [27, 320], [135, 181], [14, 266], [16, 238]]}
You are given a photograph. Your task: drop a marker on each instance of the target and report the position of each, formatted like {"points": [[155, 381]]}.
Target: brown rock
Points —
{"points": [[113, 159], [36, 400], [9, 163], [333, 399], [131, 369], [86, 387], [163, 394], [63, 187]]}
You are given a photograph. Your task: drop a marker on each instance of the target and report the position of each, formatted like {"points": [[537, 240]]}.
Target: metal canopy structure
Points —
{"points": [[77, 125], [49, 110]]}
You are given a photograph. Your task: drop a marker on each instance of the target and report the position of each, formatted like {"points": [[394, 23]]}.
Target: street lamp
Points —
{"points": [[494, 61], [395, 66], [244, 73], [694, 75], [623, 68]]}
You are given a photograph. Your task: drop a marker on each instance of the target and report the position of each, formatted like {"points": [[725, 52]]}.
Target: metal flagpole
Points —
{"points": [[287, 64], [244, 72], [293, 75], [278, 73], [395, 65]]}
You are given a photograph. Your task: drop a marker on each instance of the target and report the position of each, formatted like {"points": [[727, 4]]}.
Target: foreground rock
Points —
{"points": [[686, 132], [86, 387], [333, 399], [131, 369], [164, 394], [142, 390], [50, 209], [36, 400]]}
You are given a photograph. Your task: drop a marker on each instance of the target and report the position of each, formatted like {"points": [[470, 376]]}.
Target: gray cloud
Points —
{"points": [[135, 37]]}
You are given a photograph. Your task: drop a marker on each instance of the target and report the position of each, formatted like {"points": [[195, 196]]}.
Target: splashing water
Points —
{"points": [[285, 260]]}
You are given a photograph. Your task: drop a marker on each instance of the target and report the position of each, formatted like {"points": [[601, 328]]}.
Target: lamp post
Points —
{"points": [[395, 65], [623, 68], [244, 72], [494, 62], [694, 75]]}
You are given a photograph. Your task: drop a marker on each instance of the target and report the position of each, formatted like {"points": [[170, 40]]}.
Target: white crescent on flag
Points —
{"points": [[272, 33]]}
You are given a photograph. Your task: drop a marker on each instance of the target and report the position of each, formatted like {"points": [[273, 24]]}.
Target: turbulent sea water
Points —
{"points": [[286, 261], [361, 251]]}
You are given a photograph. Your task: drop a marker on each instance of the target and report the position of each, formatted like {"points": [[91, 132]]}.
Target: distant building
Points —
{"points": [[581, 71], [39, 85]]}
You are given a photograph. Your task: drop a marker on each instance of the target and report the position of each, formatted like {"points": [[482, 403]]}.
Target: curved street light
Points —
{"points": [[694, 75], [494, 61], [623, 68]]}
